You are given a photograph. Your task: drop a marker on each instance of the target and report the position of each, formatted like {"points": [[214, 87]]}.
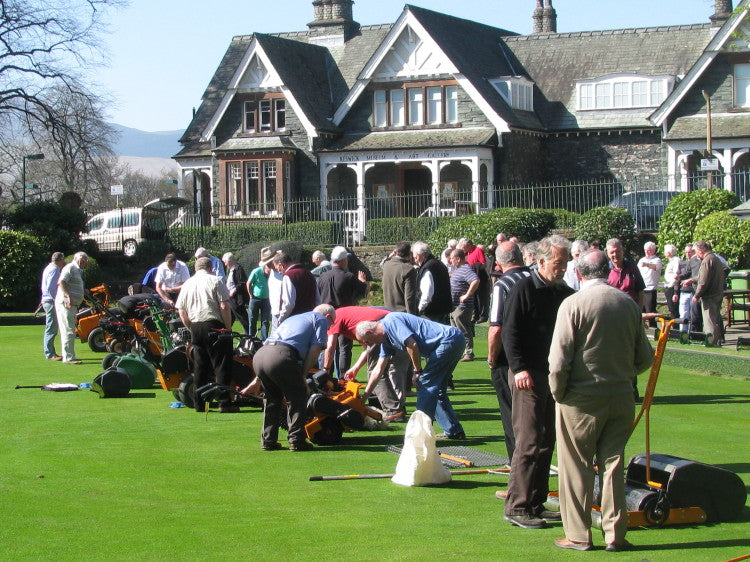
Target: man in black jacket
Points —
{"points": [[528, 323], [433, 285], [237, 286]]}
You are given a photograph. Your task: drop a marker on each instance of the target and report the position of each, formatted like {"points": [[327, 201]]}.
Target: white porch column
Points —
{"points": [[324, 171], [473, 164], [490, 183], [728, 163], [434, 166]]}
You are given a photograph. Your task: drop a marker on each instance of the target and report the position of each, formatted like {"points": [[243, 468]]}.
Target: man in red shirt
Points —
{"points": [[390, 390]]}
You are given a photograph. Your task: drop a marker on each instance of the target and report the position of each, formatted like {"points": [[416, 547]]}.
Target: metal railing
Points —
{"points": [[577, 197]]}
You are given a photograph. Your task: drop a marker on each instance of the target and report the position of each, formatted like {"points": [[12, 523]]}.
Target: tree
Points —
{"points": [[44, 49], [45, 45]]}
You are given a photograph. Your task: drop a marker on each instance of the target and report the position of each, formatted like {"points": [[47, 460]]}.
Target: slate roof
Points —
{"points": [[555, 61], [693, 127], [256, 143], [399, 140]]}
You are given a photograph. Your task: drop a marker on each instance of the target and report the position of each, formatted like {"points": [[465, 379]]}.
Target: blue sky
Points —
{"points": [[164, 52]]}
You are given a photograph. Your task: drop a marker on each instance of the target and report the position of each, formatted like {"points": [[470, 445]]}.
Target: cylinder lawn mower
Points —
{"points": [[666, 490], [88, 330], [334, 406], [177, 366]]}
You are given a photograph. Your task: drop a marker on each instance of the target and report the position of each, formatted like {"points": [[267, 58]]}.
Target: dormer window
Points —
{"points": [[517, 91], [622, 92]]}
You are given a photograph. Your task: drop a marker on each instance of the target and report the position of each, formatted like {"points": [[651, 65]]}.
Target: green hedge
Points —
{"points": [[526, 224], [728, 236], [565, 219], [55, 226], [677, 224], [220, 239], [392, 231], [20, 270]]}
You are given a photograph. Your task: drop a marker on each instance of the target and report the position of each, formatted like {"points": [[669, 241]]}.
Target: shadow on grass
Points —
{"points": [[703, 399], [141, 395], [697, 544]]}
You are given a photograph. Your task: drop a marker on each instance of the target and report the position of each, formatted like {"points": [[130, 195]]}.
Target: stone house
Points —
{"points": [[445, 109]]}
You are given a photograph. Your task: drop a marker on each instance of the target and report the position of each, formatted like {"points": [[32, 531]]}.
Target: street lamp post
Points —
{"points": [[23, 171]]}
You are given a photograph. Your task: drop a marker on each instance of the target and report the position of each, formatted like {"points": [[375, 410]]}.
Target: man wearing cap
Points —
{"points": [[237, 287], [282, 365], [217, 268], [258, 289], [340, 287], [170, 276], [69, 297], [50, 275], [299, 292], [204, 309]]}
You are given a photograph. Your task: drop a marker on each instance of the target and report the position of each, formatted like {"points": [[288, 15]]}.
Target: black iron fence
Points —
{"points": [[644, 197]]}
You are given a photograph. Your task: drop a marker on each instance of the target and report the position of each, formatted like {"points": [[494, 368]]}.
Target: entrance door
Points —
{"points": [[417, 184]]}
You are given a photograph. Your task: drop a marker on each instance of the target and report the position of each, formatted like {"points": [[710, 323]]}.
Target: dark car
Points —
{"points": [[646, 207]]}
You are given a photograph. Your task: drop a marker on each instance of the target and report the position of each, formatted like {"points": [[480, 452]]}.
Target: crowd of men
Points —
{"points": [[563, 371]]}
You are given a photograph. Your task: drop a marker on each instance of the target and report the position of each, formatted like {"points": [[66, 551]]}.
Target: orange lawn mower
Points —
{"points": [[88, 330]]}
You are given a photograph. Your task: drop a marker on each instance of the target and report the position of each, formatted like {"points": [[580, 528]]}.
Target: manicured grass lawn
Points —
{"points": [[89, 479]]}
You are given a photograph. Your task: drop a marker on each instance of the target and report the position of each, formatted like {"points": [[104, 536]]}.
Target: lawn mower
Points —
{"points": [[335, 406], [177, 365], [667, 490], [88, 330]]}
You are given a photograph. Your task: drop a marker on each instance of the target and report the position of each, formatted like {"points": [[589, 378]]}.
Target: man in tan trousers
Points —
{"points": [[598, 346]]}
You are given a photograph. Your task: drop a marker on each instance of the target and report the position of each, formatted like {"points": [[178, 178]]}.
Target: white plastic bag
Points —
{"points": [[419, 463]]}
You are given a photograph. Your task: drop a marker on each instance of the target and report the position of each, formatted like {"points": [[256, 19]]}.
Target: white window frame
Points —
{"points": [[380, 108], [741, 74], [434, 104], [398, 108], [451, 104], [416, 106], [623, 92]]}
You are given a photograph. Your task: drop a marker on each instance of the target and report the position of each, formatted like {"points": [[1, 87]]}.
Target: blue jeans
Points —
{"points": [[50, 329], [432, 395], [259, 308]]}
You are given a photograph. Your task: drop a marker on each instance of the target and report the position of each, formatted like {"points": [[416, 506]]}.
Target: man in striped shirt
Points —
{"points": [[508, 255], [464, 283]]}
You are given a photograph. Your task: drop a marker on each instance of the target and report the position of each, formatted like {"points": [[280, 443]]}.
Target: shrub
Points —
{"points": [[220, 239], [55, 226], [526, 224], [565, 219], [677, 224], [391, 231], [728, 236], [602, 223], [20, 270]]}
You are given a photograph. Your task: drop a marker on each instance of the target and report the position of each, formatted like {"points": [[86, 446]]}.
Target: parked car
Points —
{"points": [[121, 230], [646, 207]]}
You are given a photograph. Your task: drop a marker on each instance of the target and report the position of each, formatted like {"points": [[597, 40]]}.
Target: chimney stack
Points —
{"points": [[334, 17], [549, 18], [537, 17], [722, 11]]}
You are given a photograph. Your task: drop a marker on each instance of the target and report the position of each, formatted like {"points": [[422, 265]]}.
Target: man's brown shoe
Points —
{"points": [[501, 494], [74, 362], [573, 545], [54, 358]]}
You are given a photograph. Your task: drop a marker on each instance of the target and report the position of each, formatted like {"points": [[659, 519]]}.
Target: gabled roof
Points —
{"points": [[556, 61], [475, 52], [401, 140], [701, 62], [479, 54]]}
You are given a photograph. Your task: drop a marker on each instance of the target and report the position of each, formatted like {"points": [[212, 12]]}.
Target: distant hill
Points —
{"points": [[133, 142]]}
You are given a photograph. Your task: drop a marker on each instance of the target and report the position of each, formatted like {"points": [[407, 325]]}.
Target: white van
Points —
{"points": [[121, 230]]}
